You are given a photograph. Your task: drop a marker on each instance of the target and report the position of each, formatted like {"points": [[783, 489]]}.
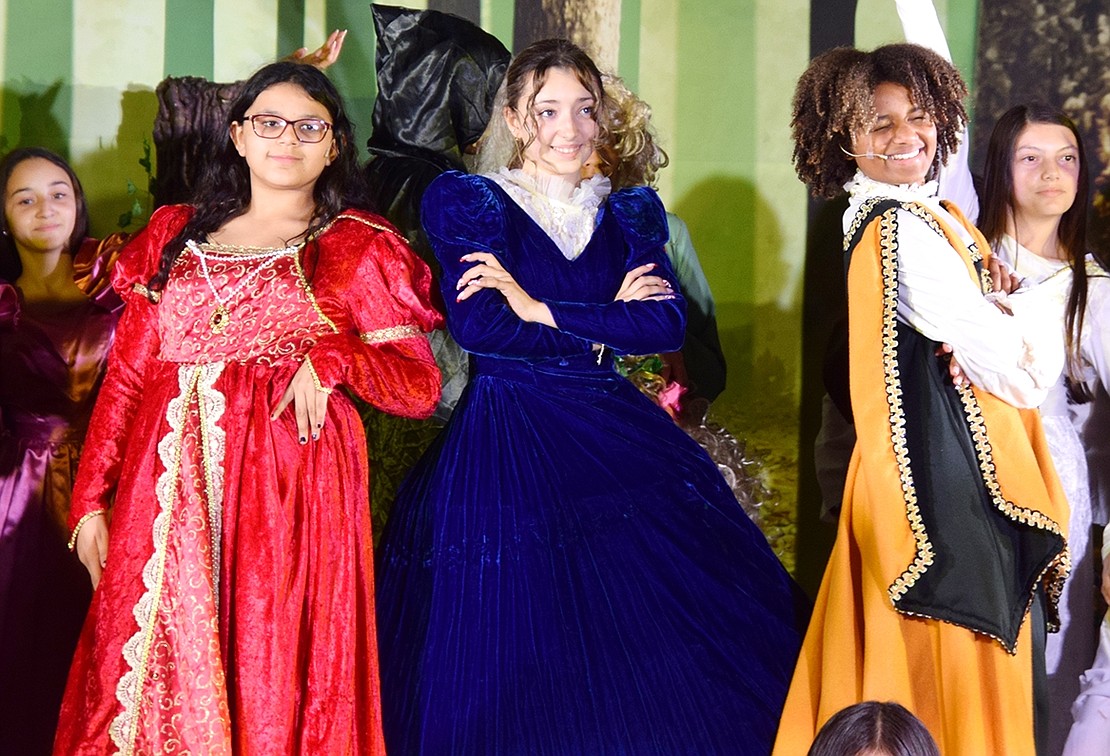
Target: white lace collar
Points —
{"points": [[861, 188], [565, 212]]}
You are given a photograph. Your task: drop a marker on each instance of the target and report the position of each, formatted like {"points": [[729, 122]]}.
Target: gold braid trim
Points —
{"points": [[307, 288], [1058, 567], [358, 219], [924, 553], [393, 333], [923, 558], [316, 377], [80, 523], [142, 290], [861, 215], [371, 224], [300, 269]]}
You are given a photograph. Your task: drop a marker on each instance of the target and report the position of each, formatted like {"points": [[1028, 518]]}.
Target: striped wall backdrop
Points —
{"points": [[79, 77]]}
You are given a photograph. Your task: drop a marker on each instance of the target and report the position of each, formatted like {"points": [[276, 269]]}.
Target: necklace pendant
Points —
{"points": [[219, 320]]}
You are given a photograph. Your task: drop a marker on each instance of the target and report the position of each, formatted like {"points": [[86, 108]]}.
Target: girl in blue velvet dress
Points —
{"points": [[565, 571]]}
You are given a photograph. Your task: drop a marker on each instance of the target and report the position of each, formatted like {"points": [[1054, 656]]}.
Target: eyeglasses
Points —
{"points": [[308, 130]]}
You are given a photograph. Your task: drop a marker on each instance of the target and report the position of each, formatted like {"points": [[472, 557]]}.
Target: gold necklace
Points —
{"points": [[221, 315]]}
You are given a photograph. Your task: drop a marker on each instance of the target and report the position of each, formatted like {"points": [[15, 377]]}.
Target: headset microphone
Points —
{"points": [[864, 155]]}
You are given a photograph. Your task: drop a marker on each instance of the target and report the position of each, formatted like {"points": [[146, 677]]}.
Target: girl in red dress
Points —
{"points": [[221, 507]]}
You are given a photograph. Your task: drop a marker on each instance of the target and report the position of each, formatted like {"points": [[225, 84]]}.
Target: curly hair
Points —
{"points": [[10, 265], [834, 99], [226, 178], [497, 147], [631, 156]]}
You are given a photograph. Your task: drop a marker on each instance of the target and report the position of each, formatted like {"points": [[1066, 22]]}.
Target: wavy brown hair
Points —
{"points": [[632, 155], [497, 147], [834, 99]]}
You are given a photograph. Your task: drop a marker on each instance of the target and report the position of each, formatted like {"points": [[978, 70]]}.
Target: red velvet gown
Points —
{"points": [[52, 360], [236, 609]]}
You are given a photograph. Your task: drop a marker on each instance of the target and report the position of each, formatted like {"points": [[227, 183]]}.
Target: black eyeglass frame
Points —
{"points": [[287, 123]]}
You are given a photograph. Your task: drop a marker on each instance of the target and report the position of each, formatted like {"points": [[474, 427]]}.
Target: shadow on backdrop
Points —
{"points": [[741, 247]]}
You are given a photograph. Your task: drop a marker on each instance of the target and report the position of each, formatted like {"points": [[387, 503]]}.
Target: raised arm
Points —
{"points": [[921, 26]]}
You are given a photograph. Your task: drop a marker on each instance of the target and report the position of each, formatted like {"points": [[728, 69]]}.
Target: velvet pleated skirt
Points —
{"points": [[566, 572]]}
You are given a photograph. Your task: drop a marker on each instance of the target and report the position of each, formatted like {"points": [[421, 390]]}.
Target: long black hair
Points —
{"points": [[10, 266], [1071, 234], [226, 177]]}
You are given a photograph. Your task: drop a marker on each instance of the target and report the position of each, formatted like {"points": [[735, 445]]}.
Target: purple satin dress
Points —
{"points": [[52, 360]]}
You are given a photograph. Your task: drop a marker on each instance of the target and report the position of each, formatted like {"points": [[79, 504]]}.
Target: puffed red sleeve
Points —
{"points": [[134, 350], [378, 295]]}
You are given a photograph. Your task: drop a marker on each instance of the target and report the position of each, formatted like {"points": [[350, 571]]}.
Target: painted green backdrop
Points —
{"points": [[79, 77]]}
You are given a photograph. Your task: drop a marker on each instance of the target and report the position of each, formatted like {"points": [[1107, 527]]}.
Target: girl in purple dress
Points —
{"points": [[57, 317]]}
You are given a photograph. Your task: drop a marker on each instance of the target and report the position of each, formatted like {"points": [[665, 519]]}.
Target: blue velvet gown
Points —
{"points": [[565, 571]]}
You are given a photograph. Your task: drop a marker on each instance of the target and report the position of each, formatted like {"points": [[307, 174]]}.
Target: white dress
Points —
{"points": [[1090, 734], [1069, 651]]}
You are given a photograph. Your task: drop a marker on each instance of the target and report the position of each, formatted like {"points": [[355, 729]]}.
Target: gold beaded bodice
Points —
{"points": [[225, 304]]}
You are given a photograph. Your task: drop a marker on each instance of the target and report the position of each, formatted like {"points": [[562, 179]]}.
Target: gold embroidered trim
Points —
{"points": [[310, 296], [317, 384], [81, 523], [370, 223], [926, 215], [245, 250], [136, 651], [153, 296], [393, 333], [210, 406], [1058, 567], [862, 214], [924, 552]]}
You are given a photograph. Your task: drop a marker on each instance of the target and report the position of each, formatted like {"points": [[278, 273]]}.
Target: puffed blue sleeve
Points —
{"points": [[461, 214], [641, 327]]}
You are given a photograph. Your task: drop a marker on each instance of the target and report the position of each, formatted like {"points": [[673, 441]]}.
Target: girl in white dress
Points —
{"points": [[1034, 214]]}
